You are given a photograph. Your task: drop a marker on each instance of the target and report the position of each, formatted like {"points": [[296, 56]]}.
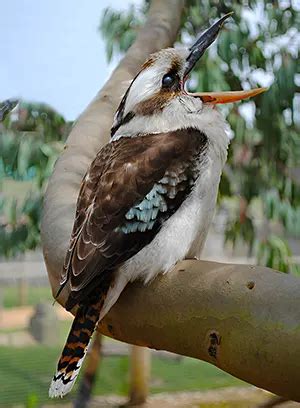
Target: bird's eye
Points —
{"points": [[168, 80]]}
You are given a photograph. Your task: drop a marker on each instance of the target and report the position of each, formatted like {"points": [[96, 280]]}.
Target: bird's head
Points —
{"points": [[157, 100]]}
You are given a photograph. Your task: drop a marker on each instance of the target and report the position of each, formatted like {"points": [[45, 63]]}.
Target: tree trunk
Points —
{"points": [[92, 131], [243, 319]]}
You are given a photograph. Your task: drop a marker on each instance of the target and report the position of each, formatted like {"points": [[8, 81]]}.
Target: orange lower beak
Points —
{"points": [[227, 97]]}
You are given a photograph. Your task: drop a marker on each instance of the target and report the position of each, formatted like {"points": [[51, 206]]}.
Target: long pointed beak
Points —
{"points": [[196, 52], [203, 42], [227, 97]]}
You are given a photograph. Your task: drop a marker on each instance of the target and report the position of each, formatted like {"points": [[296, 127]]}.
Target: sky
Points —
{"points": [[51, 51]]}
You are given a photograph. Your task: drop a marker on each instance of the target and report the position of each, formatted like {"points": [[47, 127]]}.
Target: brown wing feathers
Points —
{"points": [[120, 176]]}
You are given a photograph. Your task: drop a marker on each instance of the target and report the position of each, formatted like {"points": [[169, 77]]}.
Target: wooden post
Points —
{"points": [[139, 375], [22, 292], [1, 305]]}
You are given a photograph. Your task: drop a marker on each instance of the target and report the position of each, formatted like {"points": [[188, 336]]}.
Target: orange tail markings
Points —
{"points": [[75, 348]]}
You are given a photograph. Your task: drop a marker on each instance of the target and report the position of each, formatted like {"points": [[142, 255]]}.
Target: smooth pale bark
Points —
{"points": [[245, 320], [89, 134], [92, 131]]}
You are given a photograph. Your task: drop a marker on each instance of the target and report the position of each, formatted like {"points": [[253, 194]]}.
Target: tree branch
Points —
{"points": [[243, 319], [92, 131]]}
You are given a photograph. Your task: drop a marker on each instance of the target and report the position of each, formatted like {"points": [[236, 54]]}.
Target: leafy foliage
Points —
{"points": [[119, 28], [30, 141], [259, 47]]}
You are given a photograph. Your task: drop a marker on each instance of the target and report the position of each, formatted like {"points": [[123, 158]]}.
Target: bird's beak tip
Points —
{"points": [[228, 14], [203, 42]]}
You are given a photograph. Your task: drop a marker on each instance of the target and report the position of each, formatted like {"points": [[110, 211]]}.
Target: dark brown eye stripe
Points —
{"points": [[157, 103]]}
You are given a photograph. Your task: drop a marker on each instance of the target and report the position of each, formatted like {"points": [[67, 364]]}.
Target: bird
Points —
{"points": [[148, 197], [6, 107]]}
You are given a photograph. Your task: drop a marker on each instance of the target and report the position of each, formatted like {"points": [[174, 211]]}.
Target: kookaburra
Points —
{"points": [[148, 198]]}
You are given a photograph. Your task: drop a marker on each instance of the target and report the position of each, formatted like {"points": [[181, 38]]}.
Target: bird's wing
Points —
{"points": [[132, 186]]}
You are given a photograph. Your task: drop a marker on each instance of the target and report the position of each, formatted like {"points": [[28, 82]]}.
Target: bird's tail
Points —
{"points": [[75, 348]]}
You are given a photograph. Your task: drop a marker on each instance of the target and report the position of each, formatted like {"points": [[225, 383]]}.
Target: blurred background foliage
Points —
{"points": [[259, 191], [31, 138], [260, 187]]}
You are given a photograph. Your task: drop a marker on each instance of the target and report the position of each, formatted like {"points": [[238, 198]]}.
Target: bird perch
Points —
{"points": [[244, 319]]}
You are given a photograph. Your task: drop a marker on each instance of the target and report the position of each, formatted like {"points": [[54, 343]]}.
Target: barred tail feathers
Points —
{"points": [[73, 354]]}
